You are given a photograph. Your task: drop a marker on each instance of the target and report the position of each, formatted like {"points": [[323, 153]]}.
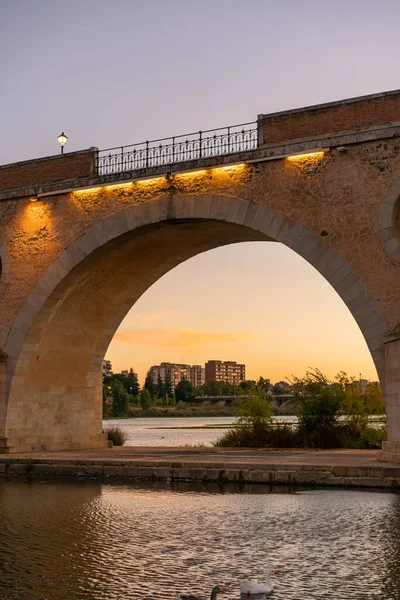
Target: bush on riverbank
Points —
{"points": [[321, 403], [260, 435], [116, 435], [283, 435]]}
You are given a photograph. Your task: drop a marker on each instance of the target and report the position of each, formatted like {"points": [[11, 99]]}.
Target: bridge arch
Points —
{"points": [[58, 341]]}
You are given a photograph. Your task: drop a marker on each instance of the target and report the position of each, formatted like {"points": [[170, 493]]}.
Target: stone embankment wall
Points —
{"points": [[341, 475]]}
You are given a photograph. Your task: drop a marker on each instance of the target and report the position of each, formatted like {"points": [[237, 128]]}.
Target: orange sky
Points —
{"points": [[258, 303]]}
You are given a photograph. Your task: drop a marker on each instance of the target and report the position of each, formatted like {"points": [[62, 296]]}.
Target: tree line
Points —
{"points": [[331, 414], [126, 391], [127, 396]]}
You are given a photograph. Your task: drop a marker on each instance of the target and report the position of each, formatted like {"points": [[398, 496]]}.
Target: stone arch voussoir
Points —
{"points": [[259, 217], [389, 222]]}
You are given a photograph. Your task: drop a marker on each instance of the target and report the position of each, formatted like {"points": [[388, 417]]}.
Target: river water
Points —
{"points": [[168, 432], [73, 540]]}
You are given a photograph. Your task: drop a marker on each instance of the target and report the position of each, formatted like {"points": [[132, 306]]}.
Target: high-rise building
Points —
{"points": [[107, 367], [228, 371], [176, 372], [197, 375]]}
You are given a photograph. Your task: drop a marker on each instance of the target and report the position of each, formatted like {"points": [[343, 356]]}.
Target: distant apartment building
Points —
{"points": [[176, 372], [107, 368], [228, 371], [197, 375]]}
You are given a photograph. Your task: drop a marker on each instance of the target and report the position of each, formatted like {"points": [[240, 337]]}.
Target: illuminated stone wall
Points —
{"points": [[65, 291]]}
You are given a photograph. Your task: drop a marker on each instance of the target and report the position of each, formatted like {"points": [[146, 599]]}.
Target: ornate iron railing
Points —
{"points": [[168, 151]]}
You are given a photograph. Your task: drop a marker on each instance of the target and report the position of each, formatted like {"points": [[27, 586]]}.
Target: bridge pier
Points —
{"points": [[4, 447], [391, 449]]}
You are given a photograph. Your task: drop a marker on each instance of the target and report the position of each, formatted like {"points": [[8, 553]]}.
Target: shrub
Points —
{"points": [[120, 399], [145, 399], [373, 438], [116, 435], [266, 435], [319, 402], [254, 427]]}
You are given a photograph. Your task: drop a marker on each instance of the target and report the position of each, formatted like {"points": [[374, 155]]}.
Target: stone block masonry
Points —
{"points": [[210, 465]]}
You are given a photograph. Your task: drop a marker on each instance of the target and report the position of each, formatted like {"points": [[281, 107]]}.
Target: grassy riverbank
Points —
{"points": [[136, 412]]}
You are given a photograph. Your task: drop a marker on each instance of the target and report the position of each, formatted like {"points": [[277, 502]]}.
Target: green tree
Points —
{"points": [[264, 384], [254, 409], [359, 403], [150, 385], [319, 402], [160, 387], [374, 398], [219, 388], [125, 381], [277, 390], [247, 385], [168, 386], [134, 382], [184, 391], [120, 399], [145, 398]]}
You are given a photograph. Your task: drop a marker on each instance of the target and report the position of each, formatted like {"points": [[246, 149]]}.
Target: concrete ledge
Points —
{"points": [[322, 468]]}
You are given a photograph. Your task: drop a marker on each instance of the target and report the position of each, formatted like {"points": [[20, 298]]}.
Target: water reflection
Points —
{"points": [[87, 540]]}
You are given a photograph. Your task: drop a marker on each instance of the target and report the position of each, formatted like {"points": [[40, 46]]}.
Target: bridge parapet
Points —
{"points": [[274, 136], [323, 120], [27, 177]]}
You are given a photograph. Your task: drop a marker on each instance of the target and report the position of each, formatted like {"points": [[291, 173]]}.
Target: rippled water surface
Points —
{"points": [[88, 540]]}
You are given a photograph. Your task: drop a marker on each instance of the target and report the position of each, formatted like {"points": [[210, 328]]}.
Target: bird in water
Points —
{"points": [[253, 587], [214, 595]]}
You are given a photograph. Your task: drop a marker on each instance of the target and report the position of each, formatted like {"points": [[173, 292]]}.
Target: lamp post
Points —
{"points": [[62, 140]]}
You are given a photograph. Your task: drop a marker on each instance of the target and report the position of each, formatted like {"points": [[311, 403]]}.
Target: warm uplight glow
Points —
{"points": [[230, 167], [212, 170], [152, 180], [192, 173], [149, 180], [238, 167], [303, 156], [33, 199]]}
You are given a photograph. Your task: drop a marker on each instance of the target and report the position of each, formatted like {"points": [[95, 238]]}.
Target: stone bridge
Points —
{"points": [[83, 235]]}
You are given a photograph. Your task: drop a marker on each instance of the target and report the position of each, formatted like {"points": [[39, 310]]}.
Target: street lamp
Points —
{"points": [[62, 140]]}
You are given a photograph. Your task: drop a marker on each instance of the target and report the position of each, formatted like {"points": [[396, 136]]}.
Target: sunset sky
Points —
{"points": [[112, 73]]}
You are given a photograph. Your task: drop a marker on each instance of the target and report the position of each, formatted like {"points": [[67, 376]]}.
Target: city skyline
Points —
{"points": [[164, 326]]}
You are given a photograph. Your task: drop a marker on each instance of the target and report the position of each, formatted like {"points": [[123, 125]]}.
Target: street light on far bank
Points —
{"points": [[62, 140]]}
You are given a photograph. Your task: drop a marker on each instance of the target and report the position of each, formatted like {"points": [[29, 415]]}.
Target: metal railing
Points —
{"points": [[182, 148]]}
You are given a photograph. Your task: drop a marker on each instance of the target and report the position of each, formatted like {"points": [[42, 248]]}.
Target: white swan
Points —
{"points": [[214, 594], [253, 587]]}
